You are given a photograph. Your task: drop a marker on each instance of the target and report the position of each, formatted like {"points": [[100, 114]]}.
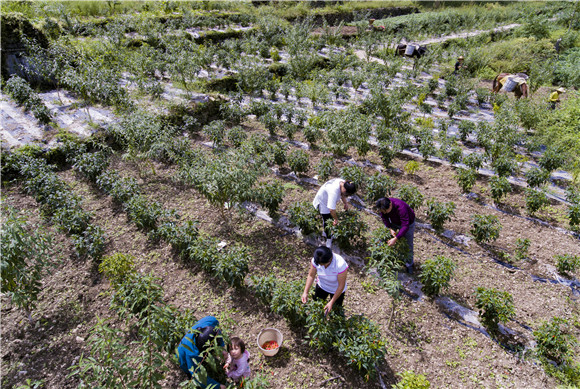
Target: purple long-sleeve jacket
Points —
{"points": [[401, 215]]}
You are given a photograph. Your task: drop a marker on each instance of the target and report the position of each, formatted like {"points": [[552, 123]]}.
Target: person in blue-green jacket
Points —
{"points": [[194, 343]]}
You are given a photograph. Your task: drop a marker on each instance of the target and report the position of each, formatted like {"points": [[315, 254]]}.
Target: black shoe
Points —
{"points": [[409, 269]]}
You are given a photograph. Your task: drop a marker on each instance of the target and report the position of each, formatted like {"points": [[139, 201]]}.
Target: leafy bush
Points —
{"points": [[567, 68], [552, 159], [144, 212], [117, 267], [279, 153], [121, 189], [180, 236], [494, 307], [554, 341], [286, 301], [23, 94], [136, 294], [233, 266], [567, 263], [454, 153], [411, 167], [350, 230], [264, 287], [410, 380], [236, 136], [269, 195], [378, 186], [466, 179], [436, 274], [411, 195], [438, 213], [312, 134], [503, 166], [26, 253], [91, 165], [499, 188], [324, 168], [535, 200], [90, 243], [473, 160], [355, 174], [298, 161], [485, 228], [466, 127], [385, 259], [537, 177], [304, 216], [522, 247]]}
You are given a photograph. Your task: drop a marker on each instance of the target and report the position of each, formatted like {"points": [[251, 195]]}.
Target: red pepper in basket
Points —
{"points": [[270, 345]]}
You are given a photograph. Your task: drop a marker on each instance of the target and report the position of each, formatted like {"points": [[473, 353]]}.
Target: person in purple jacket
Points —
{"points": [[398, 215]]}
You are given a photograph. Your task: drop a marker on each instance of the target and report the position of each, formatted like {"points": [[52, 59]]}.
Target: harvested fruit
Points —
{"points": [[270, 345]]}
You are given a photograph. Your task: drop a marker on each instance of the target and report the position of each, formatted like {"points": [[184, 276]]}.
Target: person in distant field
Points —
{"points": [[330, 270], [326, 199], [555, 97], [237, 366], [398, 215], [459, 65], [194, 343]]}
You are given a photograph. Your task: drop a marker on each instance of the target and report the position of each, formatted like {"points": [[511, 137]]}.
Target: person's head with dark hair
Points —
{"points": [[236, 342], [206, 334], [349, 187], [383, 204], [322, 255]]}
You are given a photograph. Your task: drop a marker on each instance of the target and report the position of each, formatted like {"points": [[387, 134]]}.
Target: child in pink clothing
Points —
{"points": [[237, 365]]}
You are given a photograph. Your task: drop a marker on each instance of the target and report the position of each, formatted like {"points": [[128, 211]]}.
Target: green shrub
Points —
{"points": [[387, 153], [537, 177], [485, 228], [411, 167], [350, 230], [436, 274], [466, 128], [385, 259], [117, 267], [473, 160], [454, 153], [236, 136], [410, 380], [135, 294], [26, 253], [378, 186], [89, 243], [312, 134], [411, 195], [535, 200], [552, 159], [304, 216], [503, 166], [324, 168], [355, 174], [438, 213], [522, 247], [179, 235], [232, 266], [499, 188], [91, 165], [567, 263], [279, 152], [269, 195], [466, 179], [554, 341], [298, 161], [494, 307]]}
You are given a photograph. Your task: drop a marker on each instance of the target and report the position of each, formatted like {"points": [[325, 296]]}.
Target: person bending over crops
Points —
{"points": [[194, 343], [331, 270], [237, 364], [326, 199], [398, 215]]}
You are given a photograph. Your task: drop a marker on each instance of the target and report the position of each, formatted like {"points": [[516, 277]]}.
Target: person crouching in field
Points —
{"points": [[237, 365], [326, 199], [398, 215]]}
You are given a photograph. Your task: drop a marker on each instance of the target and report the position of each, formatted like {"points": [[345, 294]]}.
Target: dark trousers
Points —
{"points": [[326, 224], [321, 294]]}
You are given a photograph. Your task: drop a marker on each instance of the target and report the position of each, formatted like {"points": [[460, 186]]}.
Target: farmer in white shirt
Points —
{"points": [[326, 200], [330, 271]]}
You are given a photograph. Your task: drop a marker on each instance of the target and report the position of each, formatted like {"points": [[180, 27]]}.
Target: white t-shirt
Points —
{"points": [[328, 276], [328, 195]]}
